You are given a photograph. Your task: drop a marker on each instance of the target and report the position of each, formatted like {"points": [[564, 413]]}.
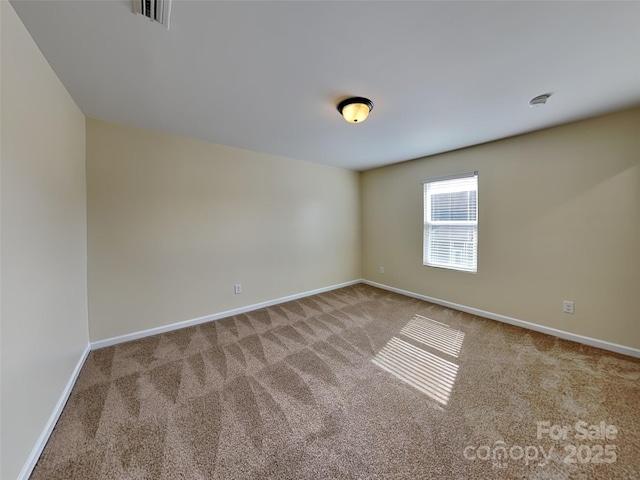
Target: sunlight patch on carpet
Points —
{"points": [[413, 364], [434, 334]]}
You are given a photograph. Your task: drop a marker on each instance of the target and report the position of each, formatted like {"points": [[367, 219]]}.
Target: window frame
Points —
{"points": [[427, 254]]}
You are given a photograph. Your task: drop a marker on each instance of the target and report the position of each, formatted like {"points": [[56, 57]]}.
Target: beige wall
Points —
{"points": [[559, 219], [174, 223], [44, 257]]}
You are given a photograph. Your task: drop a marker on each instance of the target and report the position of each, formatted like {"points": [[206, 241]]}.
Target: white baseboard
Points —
{"points": [[216, 316], [36, 451], [594, 342]]}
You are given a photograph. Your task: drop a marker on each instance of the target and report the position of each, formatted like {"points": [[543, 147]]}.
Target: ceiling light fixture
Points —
{"points": [[356, 109], [539, 100]]}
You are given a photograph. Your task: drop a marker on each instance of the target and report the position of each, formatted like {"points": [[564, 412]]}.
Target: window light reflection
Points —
{"points": [[425, 371], [434, 334]]}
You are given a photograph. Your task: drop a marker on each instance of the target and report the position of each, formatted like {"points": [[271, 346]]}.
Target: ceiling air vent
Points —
{"points": [[154, 10]]}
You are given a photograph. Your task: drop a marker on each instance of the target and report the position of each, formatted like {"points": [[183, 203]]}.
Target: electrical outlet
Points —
{"points": [[567, 306], [381, 269], [237, 288]]}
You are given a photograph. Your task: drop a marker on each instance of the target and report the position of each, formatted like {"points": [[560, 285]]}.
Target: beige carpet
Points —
{"points": [[355, 383]]}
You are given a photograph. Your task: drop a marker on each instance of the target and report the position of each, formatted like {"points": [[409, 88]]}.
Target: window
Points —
{"points": [[451, 222]]}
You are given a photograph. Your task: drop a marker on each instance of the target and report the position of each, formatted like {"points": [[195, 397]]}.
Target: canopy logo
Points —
{"points": [[581, 442]]}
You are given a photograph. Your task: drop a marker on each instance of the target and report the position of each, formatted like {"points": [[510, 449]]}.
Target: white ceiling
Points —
{"points": [[267, 75]]}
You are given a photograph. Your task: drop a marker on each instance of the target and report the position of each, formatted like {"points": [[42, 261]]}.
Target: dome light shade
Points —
{"points": [[356, 109]]}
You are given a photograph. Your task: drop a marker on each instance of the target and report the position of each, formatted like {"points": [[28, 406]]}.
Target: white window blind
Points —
{"points": [[451, 222]]}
